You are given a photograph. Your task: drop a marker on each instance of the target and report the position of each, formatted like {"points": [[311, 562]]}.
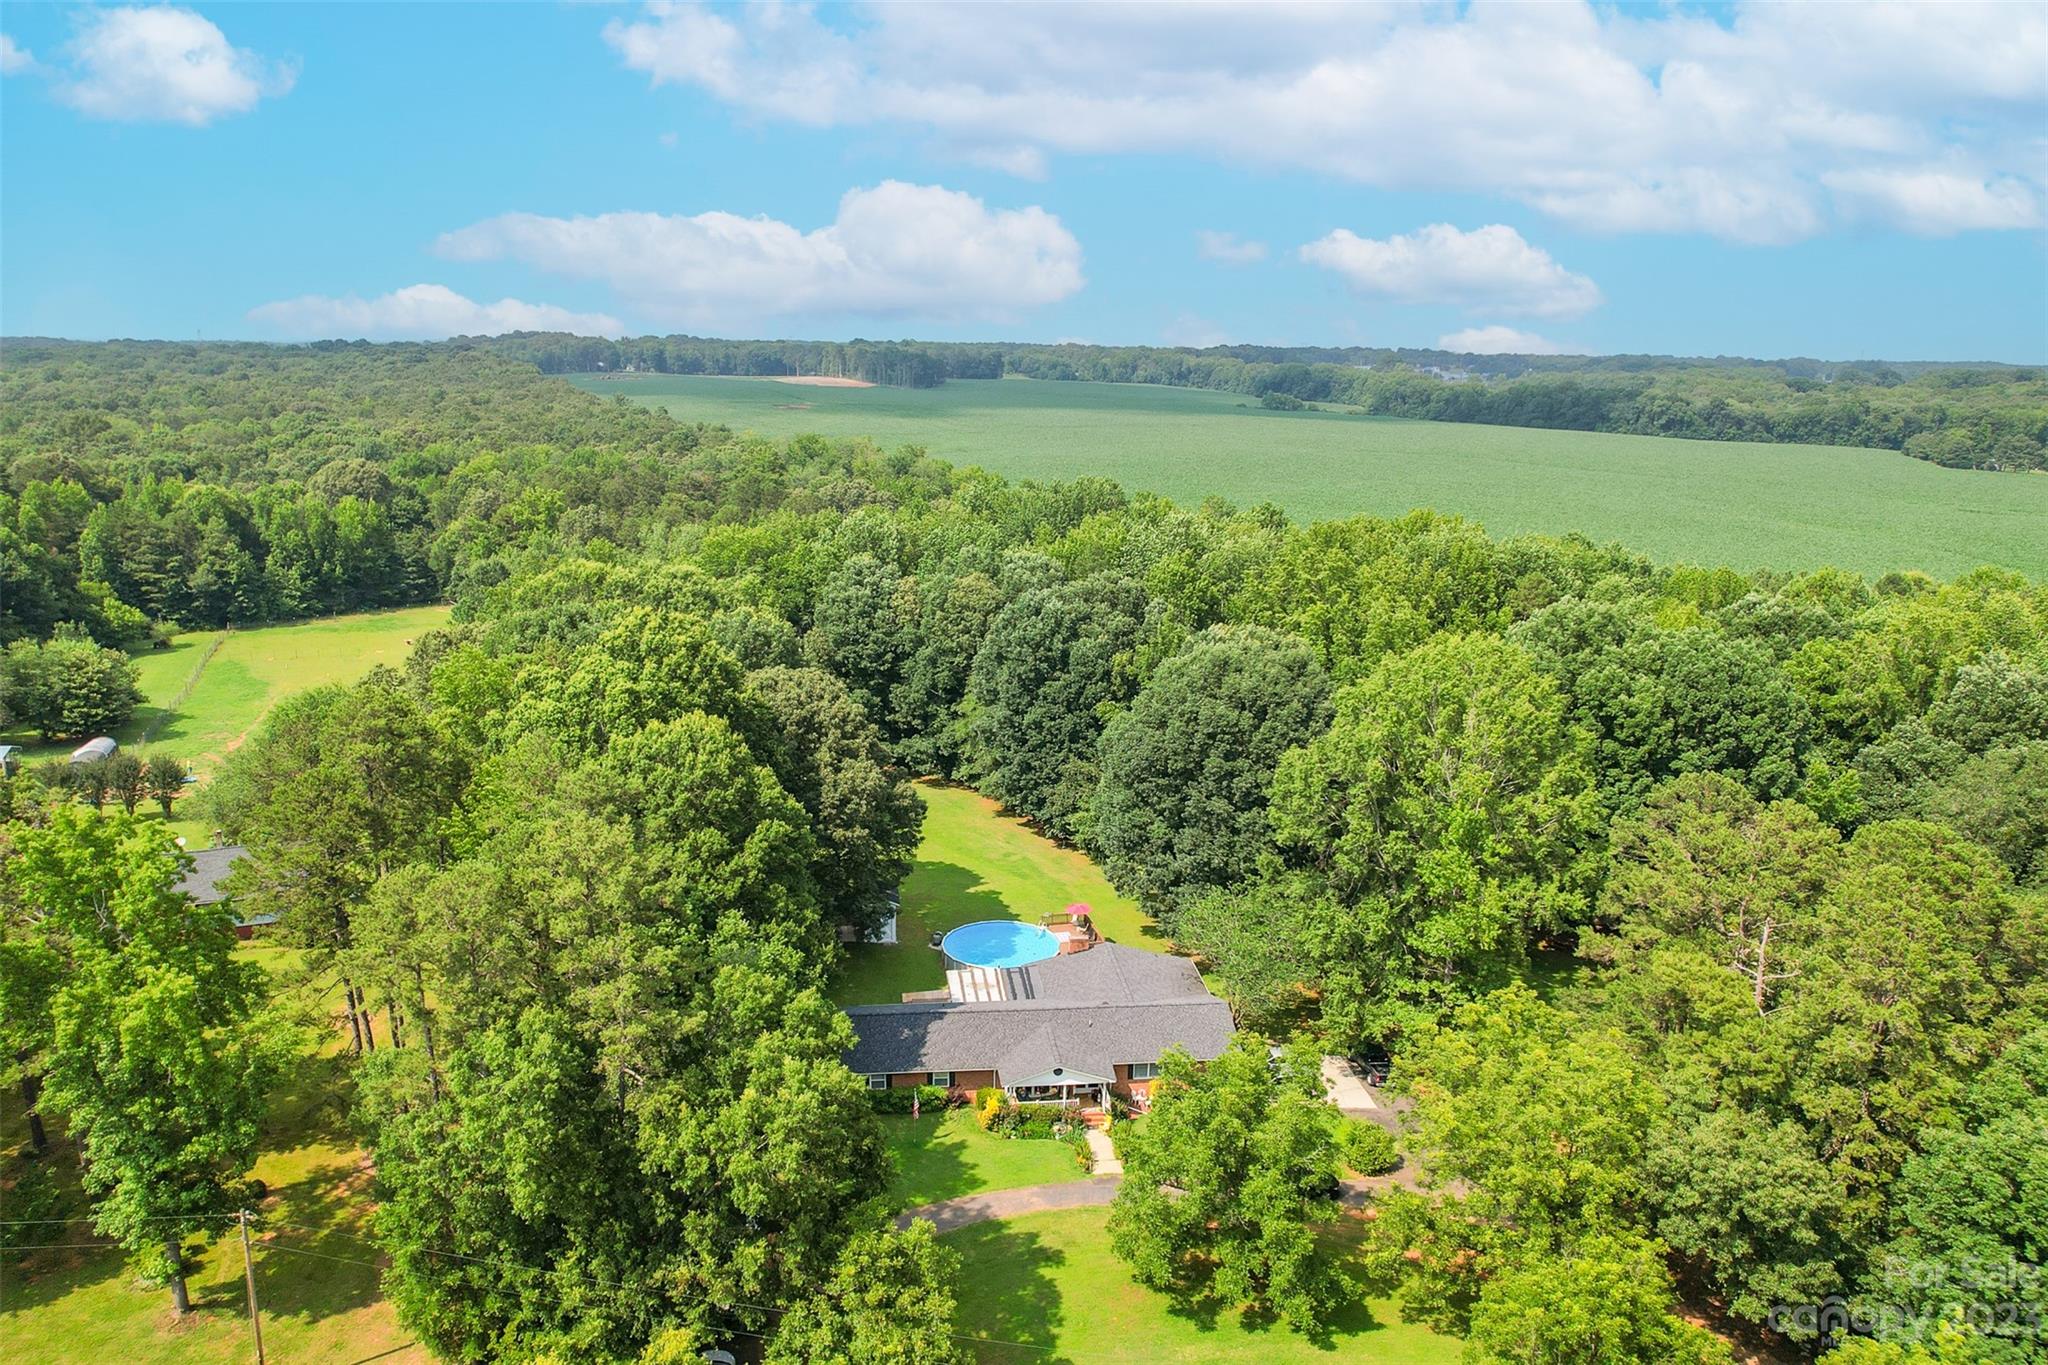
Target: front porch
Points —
{"points": [[1062, 1086]]}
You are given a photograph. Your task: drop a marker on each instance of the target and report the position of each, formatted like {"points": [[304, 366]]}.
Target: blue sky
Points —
{"points": [[1837, 181]]}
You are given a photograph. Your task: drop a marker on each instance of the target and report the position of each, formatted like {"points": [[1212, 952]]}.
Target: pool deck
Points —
{"points": [[974, 985]]}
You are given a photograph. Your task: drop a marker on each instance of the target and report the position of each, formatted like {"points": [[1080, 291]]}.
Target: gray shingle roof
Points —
{"points": [[210, 866], [1107, 973], [1023, 1038]]}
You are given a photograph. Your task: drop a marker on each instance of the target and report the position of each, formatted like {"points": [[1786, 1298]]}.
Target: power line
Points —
{"points": [[59, 1246]]}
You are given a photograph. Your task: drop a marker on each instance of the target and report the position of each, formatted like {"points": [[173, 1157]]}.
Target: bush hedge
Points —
{"points": [[898, 1099], [1369, 1149]]}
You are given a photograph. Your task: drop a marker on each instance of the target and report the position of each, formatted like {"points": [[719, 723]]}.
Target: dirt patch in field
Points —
{"points": [[796, 407], [820, 381]]}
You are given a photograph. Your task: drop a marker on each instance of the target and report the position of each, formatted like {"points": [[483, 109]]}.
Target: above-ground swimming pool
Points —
{"points": [[999, 943]]}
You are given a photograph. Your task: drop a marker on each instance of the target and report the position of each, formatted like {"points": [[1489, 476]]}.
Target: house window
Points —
{"points": [[944, 1078], [879, 1082], [1144, 1071]]}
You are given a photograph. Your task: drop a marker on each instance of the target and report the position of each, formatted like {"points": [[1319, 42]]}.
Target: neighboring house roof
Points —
{"points": [[210, 866]]}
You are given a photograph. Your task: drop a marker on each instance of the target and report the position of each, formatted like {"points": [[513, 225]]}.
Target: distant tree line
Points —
{"points": [[147, 484], [908, 366], [1962, 416]]}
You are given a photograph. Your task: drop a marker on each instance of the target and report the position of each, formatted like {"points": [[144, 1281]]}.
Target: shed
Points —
{"points": [[10, 757], [93, 750]]}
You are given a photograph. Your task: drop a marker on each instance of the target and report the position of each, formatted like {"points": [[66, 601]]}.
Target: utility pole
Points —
{"points": [[249, 1276]]}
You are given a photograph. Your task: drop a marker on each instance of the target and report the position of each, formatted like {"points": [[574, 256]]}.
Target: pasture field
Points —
{"points": [[1709, 502], [1049, 1284], [205, 692], [977, 863]]}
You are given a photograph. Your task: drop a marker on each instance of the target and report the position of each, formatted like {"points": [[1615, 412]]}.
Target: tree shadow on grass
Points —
{"points": [[306, 1105], [930, 1160], [947, 895], [936, 895], [1011, 1298], [1351, 1318], [314, 1258]]}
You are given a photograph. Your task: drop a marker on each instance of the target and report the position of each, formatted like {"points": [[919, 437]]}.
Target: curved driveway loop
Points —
{"points": [[948, 1214]]}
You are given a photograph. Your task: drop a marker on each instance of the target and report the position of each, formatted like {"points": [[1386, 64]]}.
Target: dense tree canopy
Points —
{"points": [[1701, 910], [1223, 1187], [139, 1017], [1181, 805], [1055, 659], [1451, 813]]}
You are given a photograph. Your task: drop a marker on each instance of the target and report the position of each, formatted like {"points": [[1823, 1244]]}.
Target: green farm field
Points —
{"points": [[1711, 502]]}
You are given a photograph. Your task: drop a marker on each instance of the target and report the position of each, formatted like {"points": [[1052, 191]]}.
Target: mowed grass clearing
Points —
{"points": [[943, 1154], [1049, 1283], [316, 1272], [1710, 502], [977, 863], [205, 693]]}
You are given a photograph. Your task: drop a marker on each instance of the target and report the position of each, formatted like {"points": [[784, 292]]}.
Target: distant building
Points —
{"points": [[10, 758], [94, 750], [210, 867], [885, 932]]}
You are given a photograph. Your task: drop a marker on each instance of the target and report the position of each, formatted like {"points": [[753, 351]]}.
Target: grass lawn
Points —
{"points": [[1049, 1283], [202, 696], [977, 863], [314, 1276], [939, 1156], [1719, 502], [209, 688]]}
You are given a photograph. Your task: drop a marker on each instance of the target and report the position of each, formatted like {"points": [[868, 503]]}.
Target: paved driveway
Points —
{"points": [[1346, 1087], [948, 1214]]}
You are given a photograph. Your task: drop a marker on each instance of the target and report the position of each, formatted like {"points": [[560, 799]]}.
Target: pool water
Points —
{"points": [[999, 943]]}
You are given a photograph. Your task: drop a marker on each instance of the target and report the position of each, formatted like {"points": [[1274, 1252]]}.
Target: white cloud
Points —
{"points": [[893, 249], [1936, 201], [1497, 340], [14, 58], [425, 312], [1610, 117], [1187, 329], [162, 64], [1228, 248], [1026, 163], [1490, 269]]}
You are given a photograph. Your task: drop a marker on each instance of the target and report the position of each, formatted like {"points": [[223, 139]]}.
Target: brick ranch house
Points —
{"points": [[1080, 1026]]}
